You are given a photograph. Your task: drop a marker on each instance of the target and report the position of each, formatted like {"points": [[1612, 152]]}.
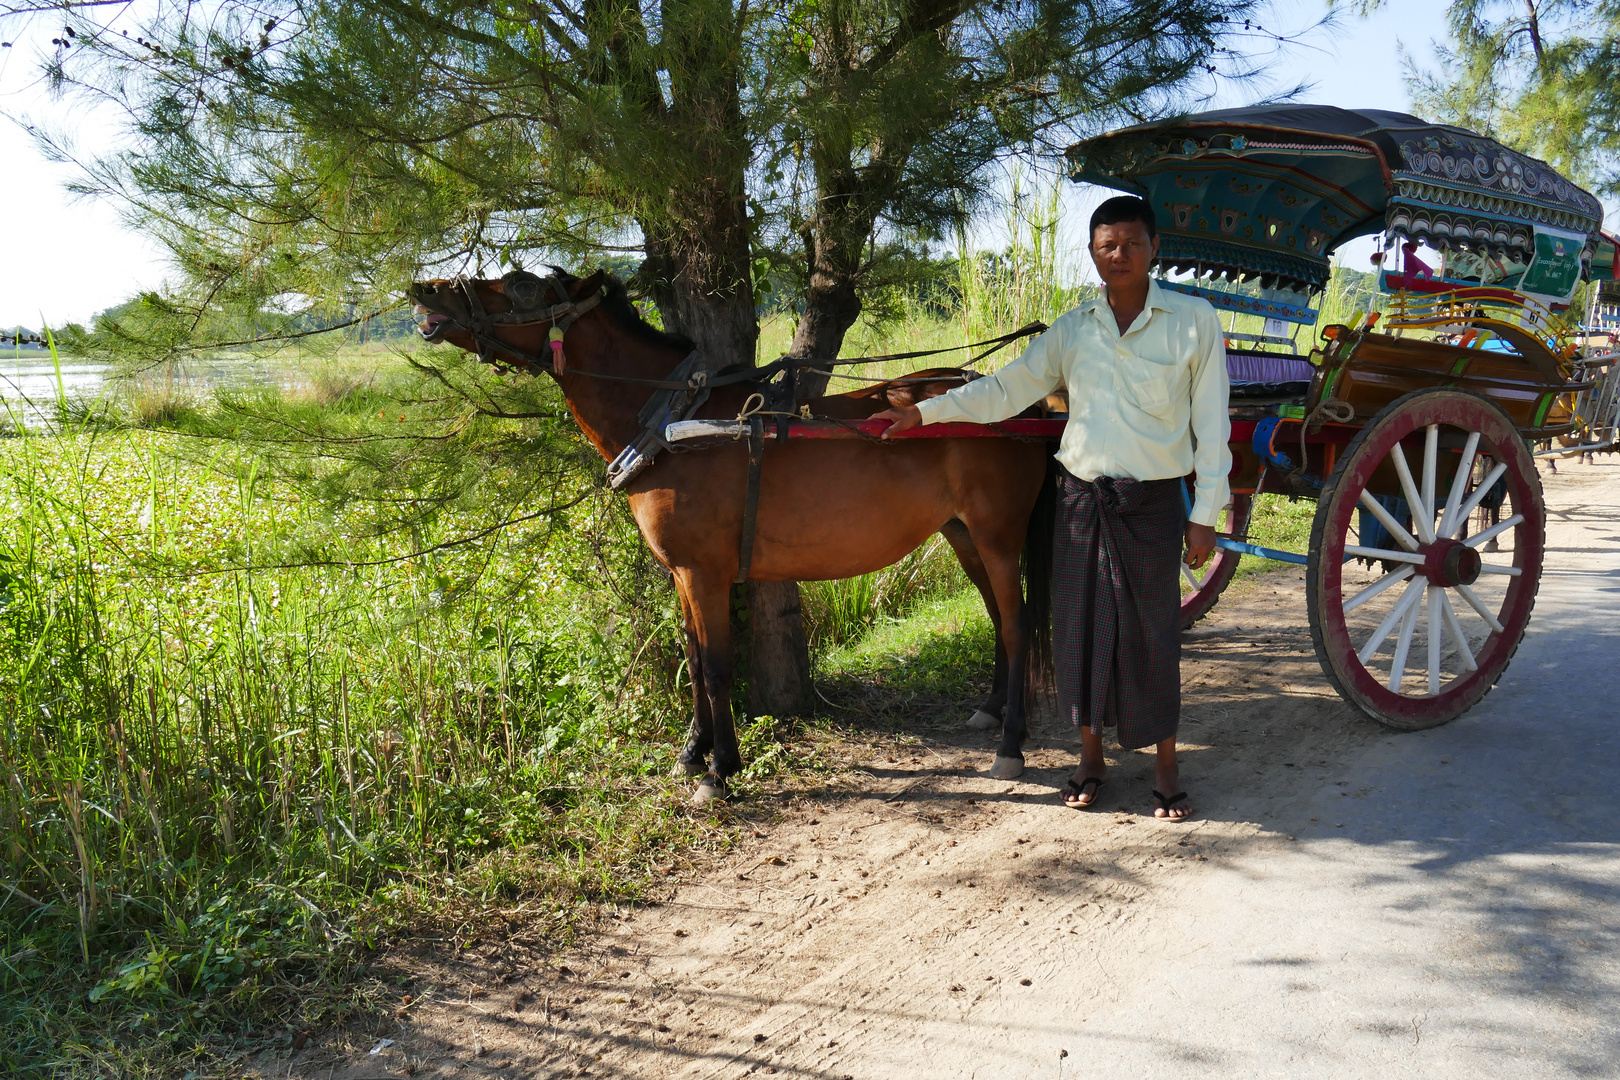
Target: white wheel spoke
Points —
{"points": [[1431, 463], [1479, 605], [1403, 644], [1459, 484], [1457, 634], [1435, 595], [1377, 587], [1414, 589], [1495, 530], [1192, 578], [1387, 520], [1492, 568], [1425, 529], [1479, 493], [1385, 553]]}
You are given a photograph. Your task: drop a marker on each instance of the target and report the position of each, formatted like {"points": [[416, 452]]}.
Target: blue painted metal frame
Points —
{"points": [[1264, 552], [1240, 546]]}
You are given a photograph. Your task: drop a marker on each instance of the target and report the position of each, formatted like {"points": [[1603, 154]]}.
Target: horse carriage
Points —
{"points": [[1411, 426]]}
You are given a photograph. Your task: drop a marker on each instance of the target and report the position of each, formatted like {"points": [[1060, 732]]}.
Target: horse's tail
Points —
{"points": [[1037, 567]]}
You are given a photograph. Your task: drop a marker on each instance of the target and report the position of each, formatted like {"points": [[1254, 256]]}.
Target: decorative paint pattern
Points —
{"points": [[1202, 255], [1273, 194], [1247, 305]]}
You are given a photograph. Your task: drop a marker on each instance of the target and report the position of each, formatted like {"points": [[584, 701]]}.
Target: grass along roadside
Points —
{"points": [[220, 788], [1278, 523]]}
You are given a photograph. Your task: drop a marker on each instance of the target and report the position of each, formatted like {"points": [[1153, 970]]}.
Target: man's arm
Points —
{"points": [[1211, 425], [1008, 392]]}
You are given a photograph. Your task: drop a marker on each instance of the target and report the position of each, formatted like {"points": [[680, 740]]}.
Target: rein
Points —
{"points": [[527, 292]]}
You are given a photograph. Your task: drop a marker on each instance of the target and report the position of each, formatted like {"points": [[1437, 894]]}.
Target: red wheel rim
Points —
{"points": [[1406, 422]]}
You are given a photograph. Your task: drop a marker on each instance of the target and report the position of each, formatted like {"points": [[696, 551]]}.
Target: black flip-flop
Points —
{"points": [[1072, 790], [1166, 802]]}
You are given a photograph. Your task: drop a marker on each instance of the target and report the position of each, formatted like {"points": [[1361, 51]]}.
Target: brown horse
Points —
{"points": [[827, 509]]}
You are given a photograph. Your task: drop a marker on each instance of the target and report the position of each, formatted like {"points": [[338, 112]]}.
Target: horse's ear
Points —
{"points": [[589, 286]]}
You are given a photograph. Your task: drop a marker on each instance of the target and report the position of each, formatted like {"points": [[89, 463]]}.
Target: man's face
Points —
{"points": [[1123, 253]]}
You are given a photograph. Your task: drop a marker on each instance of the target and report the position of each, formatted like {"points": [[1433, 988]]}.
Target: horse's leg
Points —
{"points": [[694, 756], [987, 717], [709, 602], [1000, 550]]}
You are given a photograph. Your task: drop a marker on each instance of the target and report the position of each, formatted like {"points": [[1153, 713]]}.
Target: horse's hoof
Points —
{"points": [[1007, 768], [983, 721], [689, 768], [710, 789]]}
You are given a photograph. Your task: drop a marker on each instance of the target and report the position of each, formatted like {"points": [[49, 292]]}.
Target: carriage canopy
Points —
{"points": [[1269, 192]]}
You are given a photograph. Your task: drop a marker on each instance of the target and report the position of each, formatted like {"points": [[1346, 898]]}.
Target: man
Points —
{"points": [[1145, 370]]}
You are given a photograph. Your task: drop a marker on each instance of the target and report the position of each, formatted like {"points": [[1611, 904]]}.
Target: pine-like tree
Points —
{"points": [[311, 156], [1543, 76]]}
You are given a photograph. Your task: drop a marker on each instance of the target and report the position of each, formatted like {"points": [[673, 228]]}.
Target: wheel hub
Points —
{"points": [[1451, 563]]}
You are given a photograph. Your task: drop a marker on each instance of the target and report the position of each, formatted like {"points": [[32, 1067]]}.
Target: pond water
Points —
{"points": [[29, 382]]}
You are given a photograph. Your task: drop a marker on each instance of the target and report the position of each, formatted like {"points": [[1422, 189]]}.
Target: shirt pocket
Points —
{"points": [[1150, 386]]}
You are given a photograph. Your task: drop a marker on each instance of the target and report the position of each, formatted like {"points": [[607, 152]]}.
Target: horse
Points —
{"points": [[826, 508]]}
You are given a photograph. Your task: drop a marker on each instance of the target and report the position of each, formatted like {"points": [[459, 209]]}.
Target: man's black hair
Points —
{"points": [[1123, 208]]}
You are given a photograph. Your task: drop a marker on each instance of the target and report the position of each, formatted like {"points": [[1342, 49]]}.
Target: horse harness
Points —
{"points": [[674, 398]]}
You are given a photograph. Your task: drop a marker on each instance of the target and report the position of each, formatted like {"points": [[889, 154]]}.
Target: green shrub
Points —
{"points": [[839, 612]]}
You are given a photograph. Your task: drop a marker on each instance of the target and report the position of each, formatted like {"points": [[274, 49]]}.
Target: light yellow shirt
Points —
{"points": [[1148, 405]]}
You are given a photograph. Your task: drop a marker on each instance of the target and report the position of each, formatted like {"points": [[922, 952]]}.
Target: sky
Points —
{"points": [[70, 258]]}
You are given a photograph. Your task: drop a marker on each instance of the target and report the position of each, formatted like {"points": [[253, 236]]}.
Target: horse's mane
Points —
{"points": [[618, 306]]}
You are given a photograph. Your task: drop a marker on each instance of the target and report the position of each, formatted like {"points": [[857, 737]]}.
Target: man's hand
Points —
{"points": [[1200, 544], [904, 418]]}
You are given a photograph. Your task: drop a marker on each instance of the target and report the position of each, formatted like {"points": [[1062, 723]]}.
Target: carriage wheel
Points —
{"points": [[1418, 626], [1201, 588]]}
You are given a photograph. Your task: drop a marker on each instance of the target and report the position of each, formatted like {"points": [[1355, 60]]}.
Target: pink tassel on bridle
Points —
{"points": [[558, 360]]}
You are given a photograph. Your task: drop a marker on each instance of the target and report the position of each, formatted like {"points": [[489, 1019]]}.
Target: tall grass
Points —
{"points": [[213, 785], [839, 612], [979, 294]]}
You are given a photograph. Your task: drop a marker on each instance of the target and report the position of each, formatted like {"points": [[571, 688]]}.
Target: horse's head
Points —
{"points": [[508, 320]]}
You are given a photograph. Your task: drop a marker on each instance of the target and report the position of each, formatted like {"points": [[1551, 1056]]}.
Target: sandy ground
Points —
{"points": [[1345, 901]]}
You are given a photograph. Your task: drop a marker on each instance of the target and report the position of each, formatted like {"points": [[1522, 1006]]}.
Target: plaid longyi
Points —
{"points": [[1116, 605]]}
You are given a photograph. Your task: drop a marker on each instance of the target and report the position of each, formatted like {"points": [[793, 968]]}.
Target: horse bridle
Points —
{"points": [[527, 294]]}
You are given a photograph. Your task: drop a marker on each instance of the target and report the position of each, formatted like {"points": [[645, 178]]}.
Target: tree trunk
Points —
{"points": [[779, 655], [835, 246], [831, 307], [700, 269]]}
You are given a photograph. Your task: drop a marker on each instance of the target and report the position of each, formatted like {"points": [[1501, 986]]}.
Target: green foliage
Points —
{"points": [[840, 612], [221, 782], [302, 161], [1282, 523], [943, 651]]}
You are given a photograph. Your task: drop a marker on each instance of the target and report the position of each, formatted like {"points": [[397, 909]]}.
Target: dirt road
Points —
{"points": [[1345, 903]]}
